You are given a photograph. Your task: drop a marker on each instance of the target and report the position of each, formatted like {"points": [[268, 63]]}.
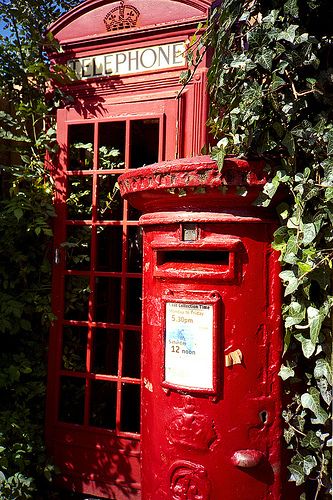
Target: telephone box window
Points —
{"points": [[144, 142], [81, 147], [131, 354], [130, 408], [71, 406], [76, 297], [109, 204], [133, 214], [109, 248], [103, 404], [74, 347], [107, 306], [134, 250], [112, 145], [78, 247], [79, 198], [105, 351], [133, 301]]}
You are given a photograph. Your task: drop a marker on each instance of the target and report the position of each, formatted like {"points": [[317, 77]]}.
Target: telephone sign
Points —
{"points": [[130, 61]]}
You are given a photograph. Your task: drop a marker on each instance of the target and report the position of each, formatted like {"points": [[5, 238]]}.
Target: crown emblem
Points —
{"points": [[122, 17]]}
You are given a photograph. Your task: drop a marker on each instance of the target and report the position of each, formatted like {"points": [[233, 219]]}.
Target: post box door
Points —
{"points": [[93, 419]]}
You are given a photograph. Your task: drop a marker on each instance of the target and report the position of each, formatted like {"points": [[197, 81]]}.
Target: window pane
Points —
{"points": [[81, 147], [107, 307], [103, 401], [74, 348], [134, 249], [76, 297], [109, 248], [112, 145], [130, 408], [109, 204], [79, 197], [71, 407], [144, 142], [105, 351], [133, 301], [77, 246], [131, 354], [133, 213]]}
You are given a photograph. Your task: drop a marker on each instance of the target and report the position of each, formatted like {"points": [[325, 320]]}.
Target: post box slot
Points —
{"points": [[206, 258], [194, 257]]}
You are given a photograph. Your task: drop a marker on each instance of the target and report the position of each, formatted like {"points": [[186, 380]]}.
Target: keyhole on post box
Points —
{"points": [[189, 232], [263, 415]]}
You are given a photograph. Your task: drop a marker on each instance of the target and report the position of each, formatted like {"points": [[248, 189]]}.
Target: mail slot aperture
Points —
{"points": [[194, 257], [204, 258]]}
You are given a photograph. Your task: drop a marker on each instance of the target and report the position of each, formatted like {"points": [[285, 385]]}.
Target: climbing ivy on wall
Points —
{"points": [[271, 91], [26, 133]]}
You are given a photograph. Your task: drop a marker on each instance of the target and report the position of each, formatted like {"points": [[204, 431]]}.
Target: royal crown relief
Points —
{"points": [[122, 17]]}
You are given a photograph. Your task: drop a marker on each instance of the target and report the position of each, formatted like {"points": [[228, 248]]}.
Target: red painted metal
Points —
{"points": [[92, 430], [210, 427]]}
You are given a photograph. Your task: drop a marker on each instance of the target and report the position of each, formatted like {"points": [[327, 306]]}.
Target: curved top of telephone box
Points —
{"points": [[196, 185], [130, 46], [92, 18], [99, 22]]}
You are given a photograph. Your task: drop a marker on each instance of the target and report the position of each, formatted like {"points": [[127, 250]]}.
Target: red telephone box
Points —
{"points": [[124, 111], [211, 404]]}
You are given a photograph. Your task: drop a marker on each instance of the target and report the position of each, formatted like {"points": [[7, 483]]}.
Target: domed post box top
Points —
{"points": [[195, 184]]}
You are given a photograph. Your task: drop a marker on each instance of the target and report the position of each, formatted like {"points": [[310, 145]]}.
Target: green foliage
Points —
{"points": [[271, 92], [27, 136]]}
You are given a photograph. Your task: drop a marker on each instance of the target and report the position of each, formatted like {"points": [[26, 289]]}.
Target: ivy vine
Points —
{"points": [[271, 93]]}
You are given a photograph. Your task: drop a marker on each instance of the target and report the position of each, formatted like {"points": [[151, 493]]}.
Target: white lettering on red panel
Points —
{"points": [[130, 61]]}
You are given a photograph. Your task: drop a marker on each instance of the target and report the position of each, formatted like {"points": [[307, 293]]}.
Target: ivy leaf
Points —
{"points": [[291, 7], [291, 250], [18, 212], [295, 315], [300, 467], [311, 440], [289, 34], [218, 154], [327, 166], [330, 142], [323, 369], [271, 18], [308, 347], [266, 59], [310, 231], [291, 279], [289, 142], [288, 434], [329, 194], [14, 373], [315, 318], [311, 400], [286, 372], [325, 392]]}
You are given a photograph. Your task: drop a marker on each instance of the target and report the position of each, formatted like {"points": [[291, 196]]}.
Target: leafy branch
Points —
{"points": [[271, 91]]}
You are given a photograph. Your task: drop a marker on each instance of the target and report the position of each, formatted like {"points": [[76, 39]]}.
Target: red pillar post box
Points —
{"points": [[211, 332]]}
